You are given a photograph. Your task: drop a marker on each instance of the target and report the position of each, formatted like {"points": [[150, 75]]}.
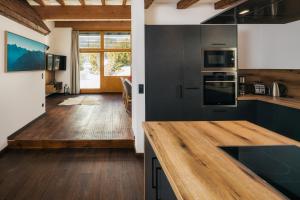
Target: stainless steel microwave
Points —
{"points": [[219, 59]]}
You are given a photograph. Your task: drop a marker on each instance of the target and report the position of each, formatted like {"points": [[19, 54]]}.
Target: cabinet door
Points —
{"points": [[157, 185], [286, 121], [150, 168], [265, 115], [164, 191], [191, 76], [219, 36], [164, 85], [247, 110]]}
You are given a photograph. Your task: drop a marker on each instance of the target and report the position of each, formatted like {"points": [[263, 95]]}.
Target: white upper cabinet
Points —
{"points": [[264, 46]]}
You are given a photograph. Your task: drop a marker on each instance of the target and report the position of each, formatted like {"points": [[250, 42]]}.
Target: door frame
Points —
{"points": [[105, 80]]}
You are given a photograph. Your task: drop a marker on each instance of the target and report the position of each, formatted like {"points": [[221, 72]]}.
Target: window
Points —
{"points": [[117, 64], [89, 40], [117, 40]]}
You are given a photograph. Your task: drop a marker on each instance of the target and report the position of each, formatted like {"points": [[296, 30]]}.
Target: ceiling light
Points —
{"points": [[244, 12]]}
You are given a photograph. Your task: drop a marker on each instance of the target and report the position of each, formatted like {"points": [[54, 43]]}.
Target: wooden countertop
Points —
{"points": [[289, 102], [197, 169]]}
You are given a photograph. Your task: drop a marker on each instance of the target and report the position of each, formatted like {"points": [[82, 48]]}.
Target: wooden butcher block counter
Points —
{"points": [[197, 169]]}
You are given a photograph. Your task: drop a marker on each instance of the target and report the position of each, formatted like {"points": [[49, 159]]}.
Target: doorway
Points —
{"points": [[104, 58]]}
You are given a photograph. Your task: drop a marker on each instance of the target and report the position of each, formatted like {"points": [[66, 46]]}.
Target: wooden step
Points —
{"points": [[60, 144]]}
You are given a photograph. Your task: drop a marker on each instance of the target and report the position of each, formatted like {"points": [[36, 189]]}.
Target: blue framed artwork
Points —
{"points": [[23, 54]]}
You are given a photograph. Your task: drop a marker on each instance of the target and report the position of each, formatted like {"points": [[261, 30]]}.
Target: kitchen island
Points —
{"points": [[195, 166]]}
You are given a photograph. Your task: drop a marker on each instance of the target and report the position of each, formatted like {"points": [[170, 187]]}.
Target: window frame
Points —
{"points": [[102, 51]]}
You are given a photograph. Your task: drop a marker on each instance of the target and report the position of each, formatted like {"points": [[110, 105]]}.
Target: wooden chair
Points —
{"points": [[127, 97]]}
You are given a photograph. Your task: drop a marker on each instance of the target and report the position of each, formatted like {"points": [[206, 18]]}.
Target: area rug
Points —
{"points": [[80, 101]]}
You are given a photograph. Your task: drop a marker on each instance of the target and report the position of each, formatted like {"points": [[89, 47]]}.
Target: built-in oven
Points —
{"points": [[219, 89], [219, 59]]}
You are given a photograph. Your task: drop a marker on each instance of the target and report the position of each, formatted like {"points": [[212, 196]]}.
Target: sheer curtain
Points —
{"points": [[75, 72]]}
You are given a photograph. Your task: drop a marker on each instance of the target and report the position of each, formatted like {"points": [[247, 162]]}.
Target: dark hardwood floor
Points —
{"points": [[100, 126], [71, 174]]}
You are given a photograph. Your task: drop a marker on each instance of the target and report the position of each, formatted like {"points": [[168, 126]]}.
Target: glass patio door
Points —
{"points": [[104, 58]]}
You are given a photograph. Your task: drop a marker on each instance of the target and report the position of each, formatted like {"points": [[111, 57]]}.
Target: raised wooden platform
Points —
{"points": [[80, 126]]}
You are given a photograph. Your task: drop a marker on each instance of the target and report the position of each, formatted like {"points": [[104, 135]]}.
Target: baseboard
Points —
{"points": [[12, 136]]}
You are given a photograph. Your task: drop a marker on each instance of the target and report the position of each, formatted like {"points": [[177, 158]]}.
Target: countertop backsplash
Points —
{"points": [[290, 78]]}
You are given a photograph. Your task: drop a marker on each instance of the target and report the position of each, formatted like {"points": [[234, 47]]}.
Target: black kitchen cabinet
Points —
{"points": [[286, 121], [246, 110], [265, 114], [173, 70], [173, 64], [164, 74], [191, 73], [157, 185], [281, 119], [220, 36]]}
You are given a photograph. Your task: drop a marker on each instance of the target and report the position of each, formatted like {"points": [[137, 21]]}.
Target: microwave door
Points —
{"points": [[219, 60]]}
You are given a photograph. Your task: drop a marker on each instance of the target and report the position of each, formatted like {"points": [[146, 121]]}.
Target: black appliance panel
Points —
{"points": [[219, 89], [278, 165]]}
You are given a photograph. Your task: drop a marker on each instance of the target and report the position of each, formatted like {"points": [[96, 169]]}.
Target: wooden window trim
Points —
{"points": [[102, 51]]}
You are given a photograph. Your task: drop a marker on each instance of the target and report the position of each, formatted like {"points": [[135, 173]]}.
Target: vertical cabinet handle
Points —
{"points": [[180, 91], [154, 181], [157, 194], [155, 178]]}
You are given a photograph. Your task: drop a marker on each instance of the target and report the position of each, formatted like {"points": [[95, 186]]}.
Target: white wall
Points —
{"points": [[60, 42], [166, 14], [264, 46], [22, 93], [138, 72]]}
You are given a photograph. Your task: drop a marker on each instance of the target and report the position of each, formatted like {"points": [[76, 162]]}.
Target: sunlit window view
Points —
{"points": [[89, 70], [117, 64], [117, 40], [89, 40], [115, 50]]}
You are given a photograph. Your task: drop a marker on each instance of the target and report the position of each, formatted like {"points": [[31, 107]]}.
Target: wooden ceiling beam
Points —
{"points": [[183, 4], [23, 13], [222, 4], [82, 2], [148, 3], [40, 2], [124, 2], [61, 2], [95, 25], [103, 2], [83, 12]]}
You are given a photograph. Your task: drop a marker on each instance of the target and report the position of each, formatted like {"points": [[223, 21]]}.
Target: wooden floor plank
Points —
{"points": [[98, 126], [71, 174]]}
